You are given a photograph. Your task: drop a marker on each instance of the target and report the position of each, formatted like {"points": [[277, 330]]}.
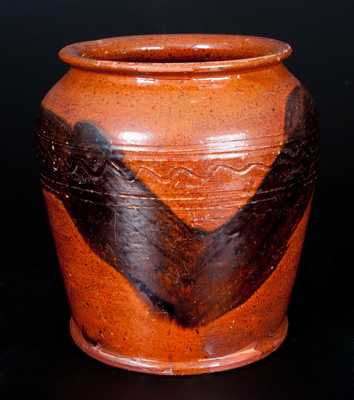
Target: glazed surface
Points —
{"points": [[193, 275], [179, 206], [115, 316]]}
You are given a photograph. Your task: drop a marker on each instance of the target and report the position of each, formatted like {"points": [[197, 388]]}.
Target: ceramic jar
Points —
{"points": [[178, 173]]}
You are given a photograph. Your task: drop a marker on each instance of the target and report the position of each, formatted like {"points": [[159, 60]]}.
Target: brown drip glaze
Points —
{"points": [[143, 257], [177, 267], [120, 319]]}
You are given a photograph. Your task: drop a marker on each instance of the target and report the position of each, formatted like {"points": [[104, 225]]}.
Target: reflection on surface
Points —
{"points": [[76, 376]]}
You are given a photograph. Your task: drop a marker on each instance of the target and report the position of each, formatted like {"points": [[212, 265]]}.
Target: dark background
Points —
{"points": [[36, 353]]}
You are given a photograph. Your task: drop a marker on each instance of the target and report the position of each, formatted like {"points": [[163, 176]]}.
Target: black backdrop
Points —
{"points": [[36, 353]]}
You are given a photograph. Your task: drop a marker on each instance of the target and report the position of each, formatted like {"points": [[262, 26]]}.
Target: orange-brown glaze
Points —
{"points": [[114, 314], [173, 132], [177, 172]]}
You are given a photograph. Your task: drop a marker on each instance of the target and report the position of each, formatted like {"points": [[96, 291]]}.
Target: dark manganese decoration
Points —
{"points": [[192, 275]]}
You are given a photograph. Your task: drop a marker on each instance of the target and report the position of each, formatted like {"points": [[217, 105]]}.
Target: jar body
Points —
{"points": [[179, 208]]}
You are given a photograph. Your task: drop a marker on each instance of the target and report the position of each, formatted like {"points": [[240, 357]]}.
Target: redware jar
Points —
{"points": [[178, 173]]}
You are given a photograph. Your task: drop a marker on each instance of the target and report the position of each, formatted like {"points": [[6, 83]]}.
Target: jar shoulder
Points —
{"points": [[147, 112]]}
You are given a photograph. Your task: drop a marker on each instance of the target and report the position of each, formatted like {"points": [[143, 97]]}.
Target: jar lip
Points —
{"points": [[175, 54]]}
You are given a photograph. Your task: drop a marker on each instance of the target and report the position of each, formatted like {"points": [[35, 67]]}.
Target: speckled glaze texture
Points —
{"points": [[178, 173]]}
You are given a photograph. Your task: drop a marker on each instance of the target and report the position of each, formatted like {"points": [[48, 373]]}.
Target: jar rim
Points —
{"points": [[176, 54]]}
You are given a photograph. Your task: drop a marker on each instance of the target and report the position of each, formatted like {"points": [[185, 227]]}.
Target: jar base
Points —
{"points": [[238, 359]]}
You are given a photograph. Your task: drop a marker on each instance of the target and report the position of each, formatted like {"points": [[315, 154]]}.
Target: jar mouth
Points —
{"points": [[176, 54]]}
